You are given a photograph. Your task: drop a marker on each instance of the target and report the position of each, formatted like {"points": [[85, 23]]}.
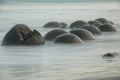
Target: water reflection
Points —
{"points": [[108, 59]]}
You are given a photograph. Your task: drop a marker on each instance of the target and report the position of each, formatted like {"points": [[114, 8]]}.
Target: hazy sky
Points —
{"points": [[53, 0]]}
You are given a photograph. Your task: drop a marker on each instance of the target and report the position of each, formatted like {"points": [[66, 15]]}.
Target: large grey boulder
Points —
{"points": [[78, 24], [68, 38], [107, 28], [55, 25], [51, 35], [93, 29], [19, 34], [83, 34]]}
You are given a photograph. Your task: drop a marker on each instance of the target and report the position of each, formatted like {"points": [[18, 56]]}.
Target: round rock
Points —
{"points": [[93, 29], [83, 34], [107, 28], [55, 25], [17, 35], [54, 33], [78, 24], [95, 23], [68, 38], [102, 20]]}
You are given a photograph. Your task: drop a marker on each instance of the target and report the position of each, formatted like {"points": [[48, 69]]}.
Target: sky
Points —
{"points": [[54, 0]]}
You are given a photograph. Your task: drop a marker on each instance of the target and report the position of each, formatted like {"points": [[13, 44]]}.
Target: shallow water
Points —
{"points": [[59, 61]]}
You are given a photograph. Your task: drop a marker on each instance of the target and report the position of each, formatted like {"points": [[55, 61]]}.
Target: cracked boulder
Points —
{"points": [[21, 34]]}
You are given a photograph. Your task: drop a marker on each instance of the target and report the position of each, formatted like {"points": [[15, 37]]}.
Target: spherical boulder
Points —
{"points": [[83, 34], [52, 25], [68, 38], [102, 20], [17, 35], [95, 23], [55, 25], [54, 33], [107, 28], [21, 34], [35, 39], [93, 29], [78, 24]]}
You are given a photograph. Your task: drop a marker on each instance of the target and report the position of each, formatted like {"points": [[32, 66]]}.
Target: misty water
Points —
{"points": [[59, 61]]}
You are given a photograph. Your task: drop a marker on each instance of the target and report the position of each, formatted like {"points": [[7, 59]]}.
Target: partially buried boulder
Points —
{"points": [[83, 34], [68, 38], [107, 28], [93, 29], [109, 55], [78, 24], [104, 21], [51, 35], [55, 25], [17, 35], [95, 23]]}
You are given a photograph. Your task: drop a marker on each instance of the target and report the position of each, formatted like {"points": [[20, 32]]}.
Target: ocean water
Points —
{"points": [[59, 61]]}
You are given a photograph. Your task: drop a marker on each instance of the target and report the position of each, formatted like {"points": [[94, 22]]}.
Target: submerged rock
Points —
{"points": [[68, 38], [95, 23], [55, 25], [94, 30], [107, 28], [102, 20], [83, 34], [78, 24], [110, 55], [54, 33]]}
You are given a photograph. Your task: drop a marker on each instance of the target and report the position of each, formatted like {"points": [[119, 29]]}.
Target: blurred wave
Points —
{"points": [[82, 5], [59, 0]]}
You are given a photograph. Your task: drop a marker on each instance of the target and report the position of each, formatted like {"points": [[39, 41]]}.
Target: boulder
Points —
{"points": [[55, 25], [68, 38], [102, 20], [78, 24], [93, 29], [95, 23], [51, 35], [21, 34], [107, 28], [17, 35], [83, 34]]}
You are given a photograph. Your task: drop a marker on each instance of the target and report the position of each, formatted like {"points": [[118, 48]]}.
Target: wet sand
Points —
{"points": [[106, 78]]}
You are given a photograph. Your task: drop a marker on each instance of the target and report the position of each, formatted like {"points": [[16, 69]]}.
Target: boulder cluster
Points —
{"points": [[79, 31]]}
